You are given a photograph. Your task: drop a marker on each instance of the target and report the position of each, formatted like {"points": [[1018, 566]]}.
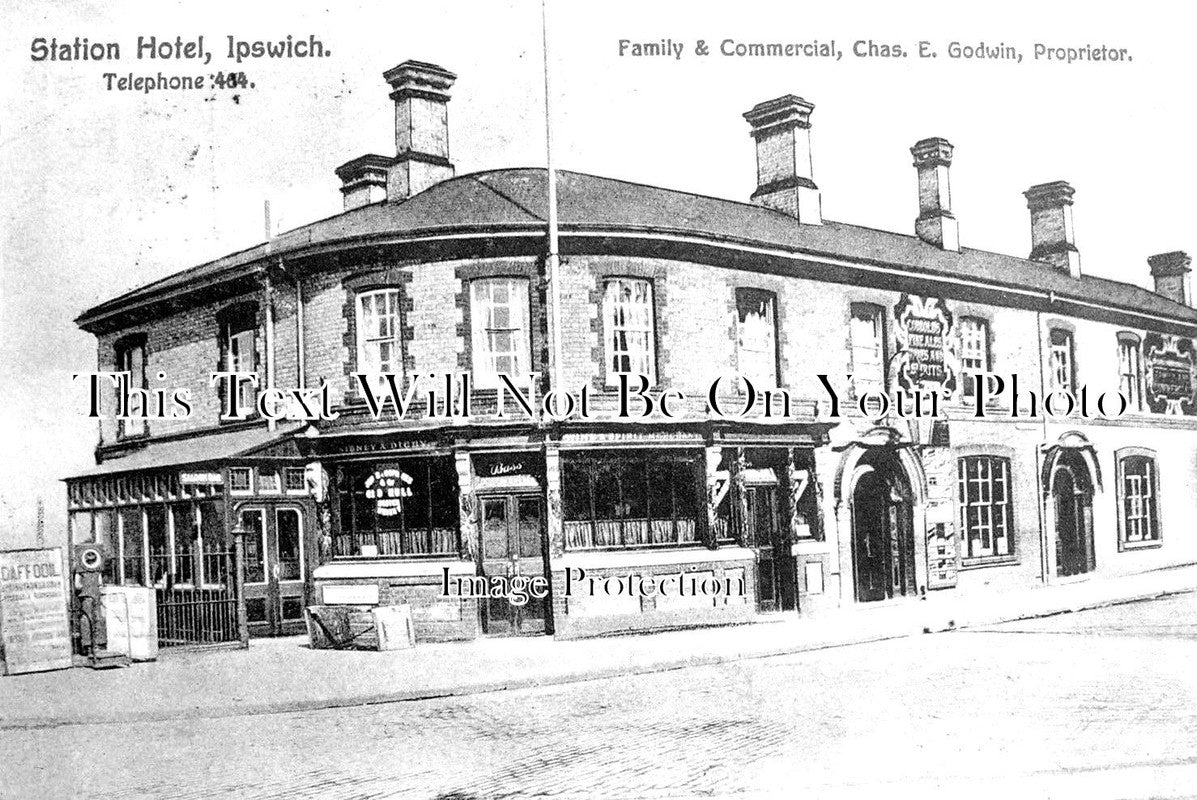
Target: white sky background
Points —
{"points": [[105, 191]]}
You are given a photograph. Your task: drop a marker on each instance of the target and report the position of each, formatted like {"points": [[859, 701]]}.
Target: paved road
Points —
{"points": [[1097, 704]]}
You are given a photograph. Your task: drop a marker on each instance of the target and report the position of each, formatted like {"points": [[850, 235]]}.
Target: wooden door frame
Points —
{"points": [[511, 498]]}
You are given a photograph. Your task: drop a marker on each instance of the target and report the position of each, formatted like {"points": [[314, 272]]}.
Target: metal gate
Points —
{"points": [[205, 611]]}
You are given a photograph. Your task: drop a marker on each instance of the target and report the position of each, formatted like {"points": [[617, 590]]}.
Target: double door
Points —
{"points": [[274, 568], [513, 544]]}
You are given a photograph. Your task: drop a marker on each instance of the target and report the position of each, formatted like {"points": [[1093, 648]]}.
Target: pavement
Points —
{"points": [[285, 675]]}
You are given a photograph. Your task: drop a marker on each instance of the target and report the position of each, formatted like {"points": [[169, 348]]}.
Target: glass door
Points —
{"points": [[274, 569], [513, 544]]}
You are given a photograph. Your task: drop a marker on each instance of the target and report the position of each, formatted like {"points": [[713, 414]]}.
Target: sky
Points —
{"points": [[104, 191]]}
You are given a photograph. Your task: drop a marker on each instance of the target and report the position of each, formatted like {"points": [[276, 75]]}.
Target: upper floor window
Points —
{"points": [[378, 332], [1062, 365], [974, 351], [130, 358], [1130, 370], [1138, 517], [239, 349], [867, 332], [628, 309], [986, 526], [756, 337], [499, 317]]}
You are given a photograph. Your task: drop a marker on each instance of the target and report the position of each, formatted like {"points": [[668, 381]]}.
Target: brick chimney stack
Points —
{"points": [[421, 95], [364, 180], [784, 170], [935, 224], [1171, 274], [1053, 239]]}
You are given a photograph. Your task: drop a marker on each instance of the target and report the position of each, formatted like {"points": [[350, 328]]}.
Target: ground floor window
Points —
{"points": [[986, 529], [625, 500], [398, 508], [158, 544], [1137, 489]]}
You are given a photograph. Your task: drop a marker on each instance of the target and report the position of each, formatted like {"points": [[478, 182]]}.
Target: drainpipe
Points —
{"points": [[299, 349], [1040, 494], [268, 290], [554, 249]]}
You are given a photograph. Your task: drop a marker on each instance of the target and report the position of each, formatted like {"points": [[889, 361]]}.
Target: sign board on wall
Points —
{"points": [[33, 611], [925, 330], [941, 555], [1170, 366]]}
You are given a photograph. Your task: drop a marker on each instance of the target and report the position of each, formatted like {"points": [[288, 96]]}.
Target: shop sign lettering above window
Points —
{"points": [[387, 488], [1171, 364], [926, 355]]}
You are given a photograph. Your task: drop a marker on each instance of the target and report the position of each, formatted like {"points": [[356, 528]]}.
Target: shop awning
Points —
{"points": [[192, 450]]}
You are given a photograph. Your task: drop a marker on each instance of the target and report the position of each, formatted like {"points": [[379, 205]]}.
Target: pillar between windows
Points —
{"points": [[467, 506], [716, 488], [553, 518]]}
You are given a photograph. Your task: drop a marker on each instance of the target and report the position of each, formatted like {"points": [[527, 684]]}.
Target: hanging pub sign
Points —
{"points": [[1170, 366], [925, 328], [387, 488]]}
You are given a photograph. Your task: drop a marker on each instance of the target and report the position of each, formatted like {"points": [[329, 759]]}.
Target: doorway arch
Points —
{"points": [[881, 502], [1070, 498]]}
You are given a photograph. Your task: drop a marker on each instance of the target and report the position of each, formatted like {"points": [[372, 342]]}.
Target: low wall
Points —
{"points": [[417, 583], [609, 592]]}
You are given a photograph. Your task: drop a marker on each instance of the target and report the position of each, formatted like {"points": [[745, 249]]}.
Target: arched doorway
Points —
{"points": [[1071, 496], [882, 527]]}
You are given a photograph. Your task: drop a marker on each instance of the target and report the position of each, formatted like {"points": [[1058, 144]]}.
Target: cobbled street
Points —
{"points": [[1100, 703]]}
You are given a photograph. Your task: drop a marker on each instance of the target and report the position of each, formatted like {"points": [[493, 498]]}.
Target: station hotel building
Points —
{"points": [[427, 272]]}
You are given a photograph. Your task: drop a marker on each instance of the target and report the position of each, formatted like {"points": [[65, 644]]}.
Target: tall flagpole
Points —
{"points": [[553, 259]]}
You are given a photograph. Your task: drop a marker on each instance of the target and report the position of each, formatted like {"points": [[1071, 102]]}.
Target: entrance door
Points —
{"points": [[882, 533], [762, 529], [274, 569], [1073, 501], [513, 544]]}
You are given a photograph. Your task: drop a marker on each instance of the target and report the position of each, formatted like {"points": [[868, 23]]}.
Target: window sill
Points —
{"points": [[1155, 544], [988, 561]]}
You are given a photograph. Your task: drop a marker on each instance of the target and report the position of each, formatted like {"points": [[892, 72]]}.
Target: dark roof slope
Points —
{"points": [[516, 199]]}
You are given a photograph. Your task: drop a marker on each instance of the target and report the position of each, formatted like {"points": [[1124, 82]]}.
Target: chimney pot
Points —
{"points": [[1053, 239], [1171, 274], [936, 224], [421, 94], [784, 170], [364, 179]]}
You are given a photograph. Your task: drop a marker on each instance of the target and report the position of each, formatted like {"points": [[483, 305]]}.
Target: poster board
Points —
{"points": [[34, 628]]}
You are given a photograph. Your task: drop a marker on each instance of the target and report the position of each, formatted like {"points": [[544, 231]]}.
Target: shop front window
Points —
{"points": [[630, 501], [132, 547], [399, 508]]}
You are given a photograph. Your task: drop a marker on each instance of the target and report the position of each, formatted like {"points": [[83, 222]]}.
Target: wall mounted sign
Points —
{"points": [[387, 488], [200, 478], [500, 465], [1170, 366], [33, 611], [941, 555], [925, 330]]}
